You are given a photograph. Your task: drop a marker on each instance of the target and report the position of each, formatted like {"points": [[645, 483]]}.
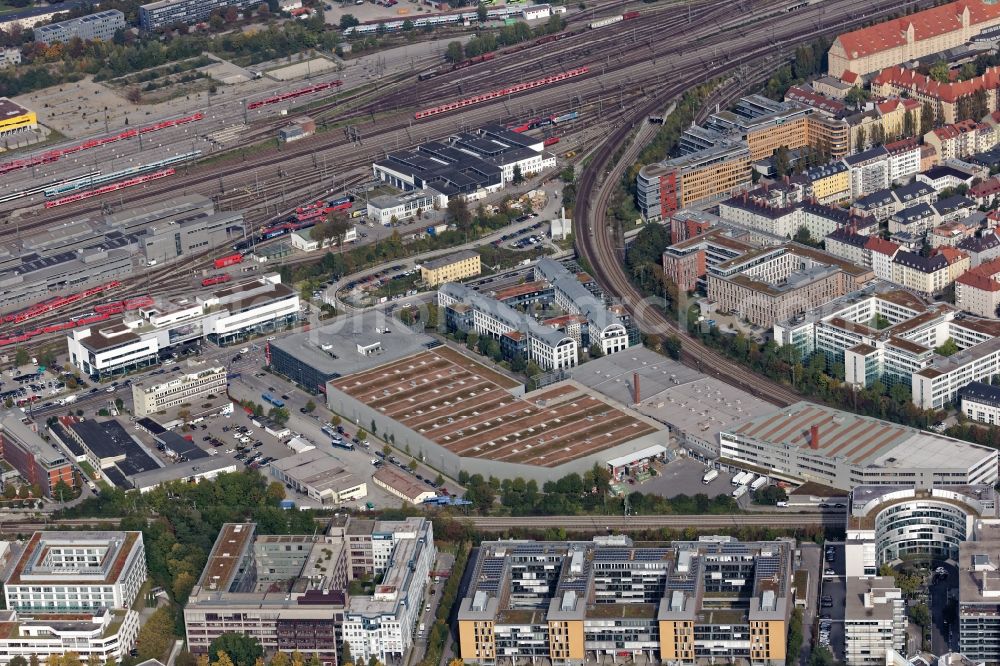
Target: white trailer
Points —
{"points": [[740, 492], [741, 478], [759, 483], [710, 476]]}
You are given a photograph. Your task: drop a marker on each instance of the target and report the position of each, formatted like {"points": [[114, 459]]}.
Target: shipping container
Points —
{"points": [[229, 260]]}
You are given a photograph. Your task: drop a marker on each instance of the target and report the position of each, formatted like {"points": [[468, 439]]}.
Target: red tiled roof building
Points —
{"points": [[876, 47]]}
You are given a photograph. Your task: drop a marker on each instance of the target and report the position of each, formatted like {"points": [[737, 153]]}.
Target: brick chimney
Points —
{"points": [[635, 388], [814, 437]]}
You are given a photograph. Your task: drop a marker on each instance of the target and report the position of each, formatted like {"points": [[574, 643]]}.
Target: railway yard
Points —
{"points": [[620, 75]]}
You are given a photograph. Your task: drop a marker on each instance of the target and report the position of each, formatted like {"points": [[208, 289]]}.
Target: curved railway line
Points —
{"points": [[598, 243]]}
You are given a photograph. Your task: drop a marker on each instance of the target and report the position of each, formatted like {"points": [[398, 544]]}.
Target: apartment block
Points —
{"points": [[929, 275], [681, 182], [934, 30], [686, 262], [165, 13], [450, 268], [80, 572], [829, 183], [874, 620], [978, 290], [961, 139], [870, 171], [944, 97], [773, 284], [160, 392], [384, 625], [571, 602], [72, 592], [979, 594], [290, 591], [755, 211], [99, 26], [582, 320], [980, 402]]}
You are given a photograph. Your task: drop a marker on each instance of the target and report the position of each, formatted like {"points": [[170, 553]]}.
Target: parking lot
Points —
{"points": [[684, 477], [832, 599]]}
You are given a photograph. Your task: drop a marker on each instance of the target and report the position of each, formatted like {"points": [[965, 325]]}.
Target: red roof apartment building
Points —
{"points": [[872, 49], [895, 81]]}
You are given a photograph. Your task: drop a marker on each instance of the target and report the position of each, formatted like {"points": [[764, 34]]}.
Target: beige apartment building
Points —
{"points": [[943, 97], [929, 275], [450, 268], [161, 392], [889, 43]]}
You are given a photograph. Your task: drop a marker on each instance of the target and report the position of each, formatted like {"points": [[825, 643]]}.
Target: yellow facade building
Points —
{"points": [[15, 118], [451, 268]]}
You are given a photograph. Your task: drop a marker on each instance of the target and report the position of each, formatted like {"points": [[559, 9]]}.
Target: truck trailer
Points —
{"points": [[710, 476]]}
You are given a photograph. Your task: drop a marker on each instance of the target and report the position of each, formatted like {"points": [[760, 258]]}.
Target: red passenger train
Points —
{"points": [[494, 94]]}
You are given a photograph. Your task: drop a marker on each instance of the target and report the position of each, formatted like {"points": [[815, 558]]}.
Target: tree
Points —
{"points": [[518, 176], [947, 348], [18, 660], [458, 213], [859, 139], [856, 97], [216, 23], [439, 480], [412, 464], [362, 435], [926, 118], [781, 161], [242, 649], [279, 415], [156, 635], [231, 14], [481, 13], [336, 227], [345, 654], [967, 71], [281, 659], [940, 72], [920, 614], [386, 450], [310, 406], [21, 357], [348, 21], [454, 52], [803, 236], [335, 420], [821, 656], [909, 124]]}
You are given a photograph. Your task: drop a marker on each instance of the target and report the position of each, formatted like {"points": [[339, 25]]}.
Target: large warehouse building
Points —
{"points": [[868, 50], [807, 442], [458, 414]]}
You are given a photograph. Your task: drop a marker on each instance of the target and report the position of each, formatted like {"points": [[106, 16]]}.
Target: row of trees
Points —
{"points": [[509, 35], [576, 494], [184, 519], [48, 65]]}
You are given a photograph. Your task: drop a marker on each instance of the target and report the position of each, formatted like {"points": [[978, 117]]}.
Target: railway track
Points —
{"points": [[598, 243]]}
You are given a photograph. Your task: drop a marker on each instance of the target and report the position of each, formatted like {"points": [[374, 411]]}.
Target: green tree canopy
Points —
{"points": [[241, 649]]}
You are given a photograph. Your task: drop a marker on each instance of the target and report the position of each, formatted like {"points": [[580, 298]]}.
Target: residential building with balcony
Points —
{"points": [[578, 601]]}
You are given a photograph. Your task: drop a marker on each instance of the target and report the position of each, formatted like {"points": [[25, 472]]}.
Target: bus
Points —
{"points": [[271, 399]]}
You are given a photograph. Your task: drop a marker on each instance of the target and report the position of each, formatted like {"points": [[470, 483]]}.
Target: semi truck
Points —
{"points": [[741, 478], [710, 476], [68, 400]]}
